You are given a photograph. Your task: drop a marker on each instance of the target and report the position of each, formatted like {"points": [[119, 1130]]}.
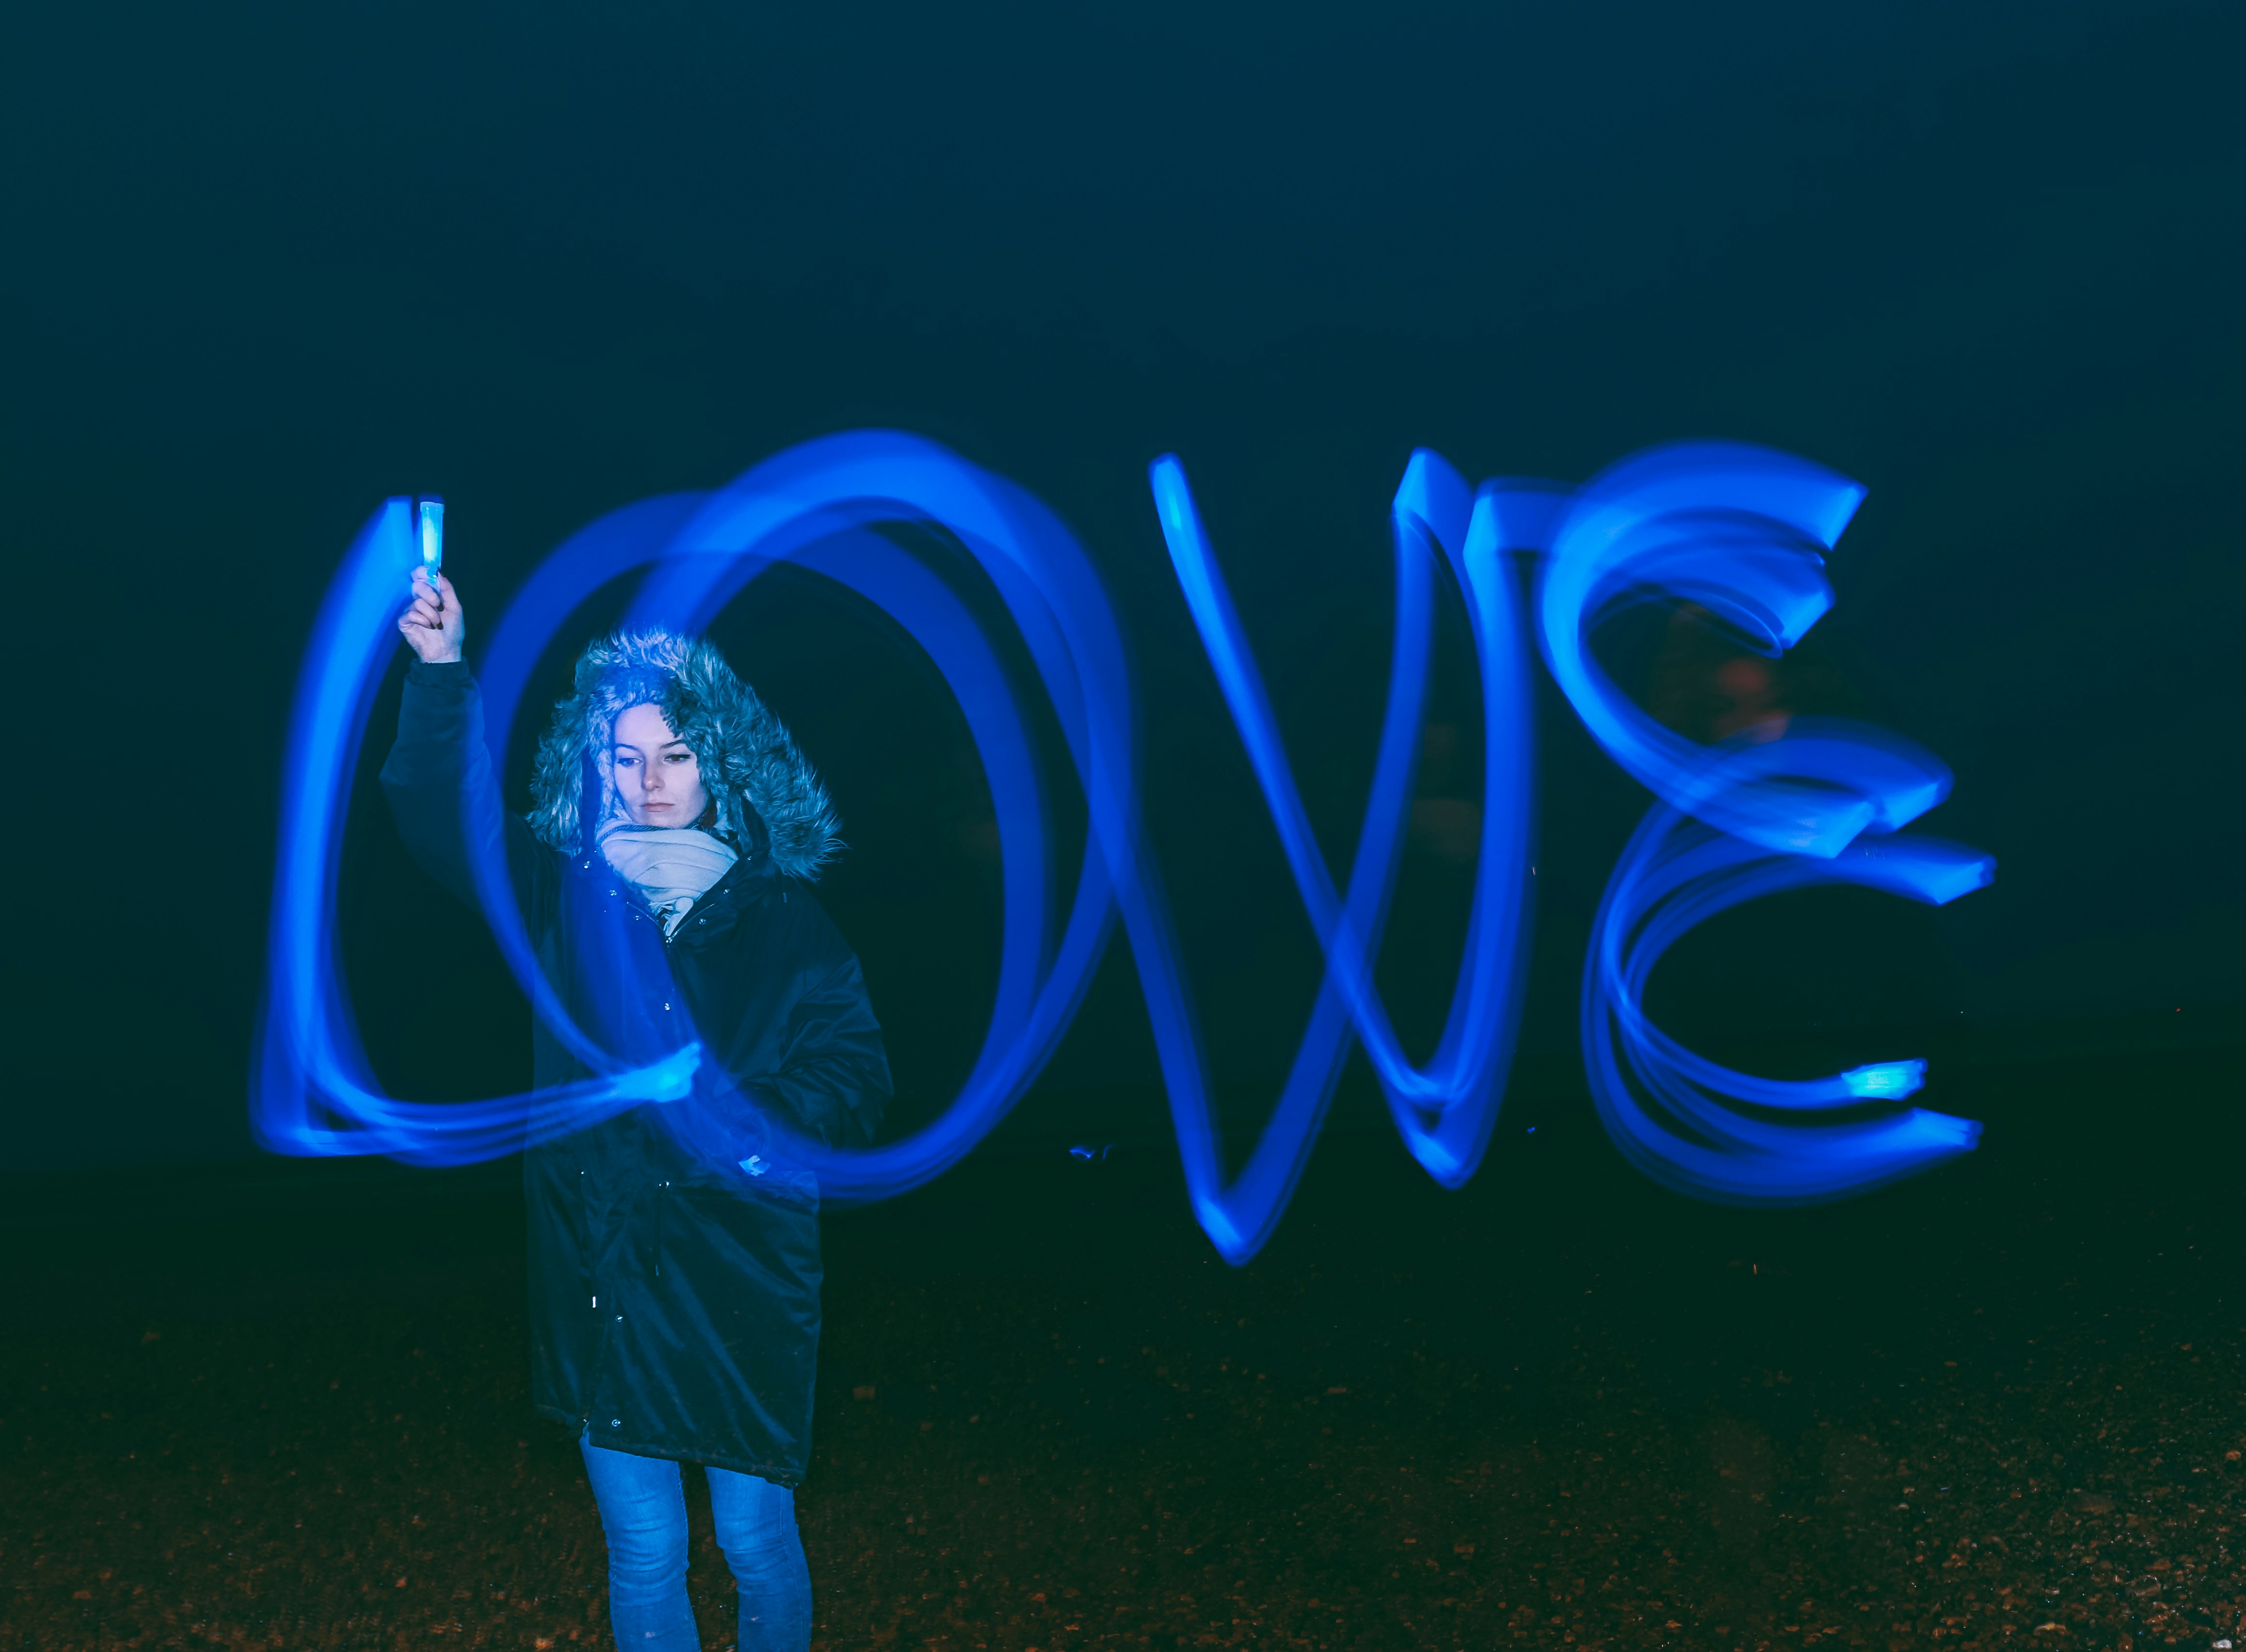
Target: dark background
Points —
{"points": [[265, 265]]}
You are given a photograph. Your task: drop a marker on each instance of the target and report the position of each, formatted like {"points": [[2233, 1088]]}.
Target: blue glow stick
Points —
{"points": [[431, 515]]}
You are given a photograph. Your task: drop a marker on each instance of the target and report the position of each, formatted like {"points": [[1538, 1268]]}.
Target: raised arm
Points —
{"points": [[439, 758]]}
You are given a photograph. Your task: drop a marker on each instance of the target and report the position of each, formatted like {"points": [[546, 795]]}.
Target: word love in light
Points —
{"points": [[1741, 531]]}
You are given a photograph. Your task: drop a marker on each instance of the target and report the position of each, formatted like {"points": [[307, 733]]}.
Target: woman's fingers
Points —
{"points": [[430, 622], [430, 600]]}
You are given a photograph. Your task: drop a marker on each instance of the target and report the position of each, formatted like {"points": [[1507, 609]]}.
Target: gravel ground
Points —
{"points": [[285, 1407]]}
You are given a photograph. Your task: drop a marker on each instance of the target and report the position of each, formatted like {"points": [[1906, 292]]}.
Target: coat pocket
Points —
{"points": [[748, 1264]]}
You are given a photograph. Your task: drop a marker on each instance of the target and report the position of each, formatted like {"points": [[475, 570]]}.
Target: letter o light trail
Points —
{"points": [[1742, 531]]}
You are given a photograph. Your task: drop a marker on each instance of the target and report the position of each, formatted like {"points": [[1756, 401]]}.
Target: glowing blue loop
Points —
{"points": [[1738, 529], [824, 541], [1742, 531], [1675, 875], [804, 506], [312, 1091]]}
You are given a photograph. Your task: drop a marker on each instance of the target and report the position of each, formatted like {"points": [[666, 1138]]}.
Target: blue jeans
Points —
{"points": [[643, 1512]]}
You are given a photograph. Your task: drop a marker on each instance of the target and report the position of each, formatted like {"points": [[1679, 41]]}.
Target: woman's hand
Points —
{"points": [[431, 624]]}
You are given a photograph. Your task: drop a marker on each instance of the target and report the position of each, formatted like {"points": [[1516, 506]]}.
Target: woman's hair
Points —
{"points": [[760, 784]]}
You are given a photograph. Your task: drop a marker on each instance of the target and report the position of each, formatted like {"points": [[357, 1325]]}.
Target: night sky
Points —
{"points": [[268, 264]]}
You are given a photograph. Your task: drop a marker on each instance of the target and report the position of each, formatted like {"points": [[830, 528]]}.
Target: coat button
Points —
{"points": [[620, 1319], [615, 1422]]}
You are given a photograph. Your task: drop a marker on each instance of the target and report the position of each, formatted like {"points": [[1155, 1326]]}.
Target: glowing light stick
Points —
{"points": [[1741, 530], [432, 515]]}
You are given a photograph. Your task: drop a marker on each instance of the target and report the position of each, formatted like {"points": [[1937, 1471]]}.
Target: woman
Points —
{"points": [[674, 1256]]}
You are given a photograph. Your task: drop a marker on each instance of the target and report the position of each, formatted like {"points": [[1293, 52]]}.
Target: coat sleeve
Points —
{"points": [[832, 1079], [438, 765]]}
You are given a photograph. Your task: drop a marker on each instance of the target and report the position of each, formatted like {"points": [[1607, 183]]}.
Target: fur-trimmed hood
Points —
{"points": [[763, 786]]}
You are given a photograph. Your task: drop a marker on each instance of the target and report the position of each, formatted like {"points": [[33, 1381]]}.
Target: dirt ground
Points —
{"points": [[285, 1405]]}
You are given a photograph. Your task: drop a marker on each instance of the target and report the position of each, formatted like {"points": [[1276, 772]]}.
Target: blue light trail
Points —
{"points": [[1741, 531]]}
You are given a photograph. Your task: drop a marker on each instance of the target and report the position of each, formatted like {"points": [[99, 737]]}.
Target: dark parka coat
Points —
{"points": [[674, 1268]]}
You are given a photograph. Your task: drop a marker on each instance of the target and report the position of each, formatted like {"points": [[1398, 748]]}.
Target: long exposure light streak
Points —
{"points": [[1742, 531]]}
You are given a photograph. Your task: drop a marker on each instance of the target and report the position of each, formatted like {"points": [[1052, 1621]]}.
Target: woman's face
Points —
{"points": [[657, 779]]}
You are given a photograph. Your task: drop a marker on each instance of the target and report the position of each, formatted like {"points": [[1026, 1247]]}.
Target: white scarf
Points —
{"points": [[673, 866]]}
